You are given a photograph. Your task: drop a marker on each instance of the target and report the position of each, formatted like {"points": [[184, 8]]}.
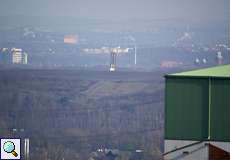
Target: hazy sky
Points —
{"points": [[116, 9]]}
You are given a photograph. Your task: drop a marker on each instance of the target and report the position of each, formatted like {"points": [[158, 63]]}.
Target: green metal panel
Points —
{"points": [[198, 105], [220, 110], [186, 108]]}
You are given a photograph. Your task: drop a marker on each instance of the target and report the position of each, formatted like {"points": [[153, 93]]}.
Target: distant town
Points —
{"points": [[155, 46]]}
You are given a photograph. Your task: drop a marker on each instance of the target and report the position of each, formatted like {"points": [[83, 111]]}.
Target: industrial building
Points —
{"points": [[197, 115], [113, 57], [71, 39], [13, 56], [18, 57]]}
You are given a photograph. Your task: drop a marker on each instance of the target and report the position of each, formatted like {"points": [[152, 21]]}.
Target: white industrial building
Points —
{"points": [[19, 57]]}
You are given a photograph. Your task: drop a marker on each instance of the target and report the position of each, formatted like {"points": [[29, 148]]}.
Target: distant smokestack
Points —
{"points": [[135, 58], [219, 58], [27, 149], [113, 56]]}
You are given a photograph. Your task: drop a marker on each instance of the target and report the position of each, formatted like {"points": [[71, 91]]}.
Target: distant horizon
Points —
{"points": [[120, 19]]}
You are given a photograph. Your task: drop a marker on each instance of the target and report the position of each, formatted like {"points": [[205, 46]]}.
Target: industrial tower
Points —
{"points": [[113, 56]]}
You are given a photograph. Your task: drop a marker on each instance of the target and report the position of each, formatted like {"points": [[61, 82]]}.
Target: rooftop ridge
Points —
{"points": [[219, 71]]}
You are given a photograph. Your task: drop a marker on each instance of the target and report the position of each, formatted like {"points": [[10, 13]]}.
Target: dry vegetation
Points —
{"points": [[73, 113]]}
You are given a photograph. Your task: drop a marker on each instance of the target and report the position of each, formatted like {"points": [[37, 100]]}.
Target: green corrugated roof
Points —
{"points": [[220, 71]]}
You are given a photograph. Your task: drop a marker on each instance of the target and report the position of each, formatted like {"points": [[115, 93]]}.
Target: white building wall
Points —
{"points": [[25, 58], [194, 152], [223, 145], [17, 57]]}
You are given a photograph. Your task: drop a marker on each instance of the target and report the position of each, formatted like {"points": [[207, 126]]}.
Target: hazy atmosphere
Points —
{"points": [[85, 79], [120, 9]]}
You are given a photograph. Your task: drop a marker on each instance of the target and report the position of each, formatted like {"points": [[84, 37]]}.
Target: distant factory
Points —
{"points": [[170, 64], [113, 54], [105, 50], [13, 56]]}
